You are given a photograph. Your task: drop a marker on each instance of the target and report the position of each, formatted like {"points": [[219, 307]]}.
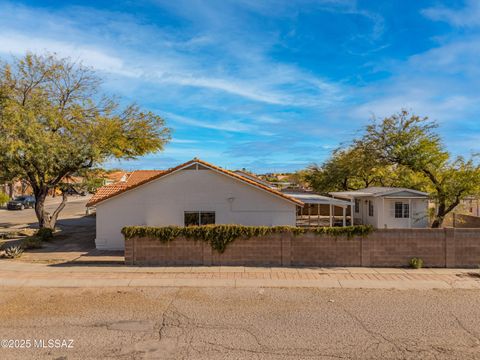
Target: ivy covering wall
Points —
{"points": [[219, 236]]}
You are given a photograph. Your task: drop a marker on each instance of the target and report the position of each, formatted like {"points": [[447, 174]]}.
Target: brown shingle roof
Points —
{"points": [[109, 191]]}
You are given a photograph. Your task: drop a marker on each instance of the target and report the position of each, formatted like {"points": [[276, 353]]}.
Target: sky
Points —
{"points": [[270, 86]]}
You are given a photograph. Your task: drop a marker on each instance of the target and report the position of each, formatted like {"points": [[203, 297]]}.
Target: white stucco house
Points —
{"points": [[193, 193], [388, 207]]}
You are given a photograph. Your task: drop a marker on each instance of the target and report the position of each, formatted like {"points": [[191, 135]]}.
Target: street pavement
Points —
{"points": [[75, 208], [240, 323]]}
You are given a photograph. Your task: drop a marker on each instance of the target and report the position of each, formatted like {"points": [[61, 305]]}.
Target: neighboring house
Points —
{"points": [[115, 177], [387, 207], [253, 177], [16, 188], [193, 193], [470, 206]]}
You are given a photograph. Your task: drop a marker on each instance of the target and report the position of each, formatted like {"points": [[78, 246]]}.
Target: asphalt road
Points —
{"points": [[75, 208], [202, 323]]}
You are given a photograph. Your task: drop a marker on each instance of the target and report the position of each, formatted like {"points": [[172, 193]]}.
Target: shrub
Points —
{"points": [[4, 198], [219, 236], [416, 263], [45, 234], [13, 252], [33, 242]]}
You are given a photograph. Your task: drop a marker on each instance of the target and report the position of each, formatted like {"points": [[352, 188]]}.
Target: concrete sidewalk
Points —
{"points": [[18, 274]]}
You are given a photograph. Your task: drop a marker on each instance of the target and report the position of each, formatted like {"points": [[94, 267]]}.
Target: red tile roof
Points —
{"points": [[136, 177], [116, 176], [145, 176], [139, 176]]}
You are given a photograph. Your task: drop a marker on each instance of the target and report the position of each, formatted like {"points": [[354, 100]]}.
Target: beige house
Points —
{"points": [[387, 207], [193, 193]]}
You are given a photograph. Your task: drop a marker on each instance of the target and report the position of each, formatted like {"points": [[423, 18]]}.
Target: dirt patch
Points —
{"points": [[37, 303]]}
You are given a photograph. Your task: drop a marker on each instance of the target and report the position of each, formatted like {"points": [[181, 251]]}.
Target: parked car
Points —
{"points": [[21, 202]]}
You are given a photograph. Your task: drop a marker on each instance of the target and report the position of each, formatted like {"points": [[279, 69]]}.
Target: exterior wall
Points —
{"points": [[418, 214], [386, 247], [384, 215], [362, 216], [164, 201]]}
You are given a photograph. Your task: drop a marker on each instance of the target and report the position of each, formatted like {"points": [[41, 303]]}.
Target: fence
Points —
{"points": [[387, 247]]}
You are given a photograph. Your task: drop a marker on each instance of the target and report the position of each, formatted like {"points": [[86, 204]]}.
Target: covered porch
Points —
{"points": [[322, 210]]}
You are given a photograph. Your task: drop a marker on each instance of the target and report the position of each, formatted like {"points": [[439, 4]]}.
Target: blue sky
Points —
{"points": [[268, 85]]}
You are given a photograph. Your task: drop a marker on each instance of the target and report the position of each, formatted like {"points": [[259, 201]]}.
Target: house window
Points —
{"points": [[195, 218], [357, 206], [370, 208], [402, 210]]}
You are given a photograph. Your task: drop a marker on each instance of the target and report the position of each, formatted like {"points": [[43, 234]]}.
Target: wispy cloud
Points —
{"points": [[178, 62], [18, 44], [266, 82], [230, 126], [467, 16]]}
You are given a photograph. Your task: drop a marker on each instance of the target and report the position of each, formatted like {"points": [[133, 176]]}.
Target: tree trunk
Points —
{"points": [[45, 219], [440, 215], [437, 222], [11, 189], [443, 210]]}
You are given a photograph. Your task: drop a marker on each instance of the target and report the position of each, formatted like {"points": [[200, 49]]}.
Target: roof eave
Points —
{"points": [[212, 167]]}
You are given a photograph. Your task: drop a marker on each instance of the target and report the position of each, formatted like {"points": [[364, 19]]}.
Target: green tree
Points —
{"points": [[347, 169], [54, 121], [411, 141]]}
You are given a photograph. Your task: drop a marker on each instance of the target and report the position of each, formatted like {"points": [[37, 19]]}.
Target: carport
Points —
{"points": [[322, 210]]}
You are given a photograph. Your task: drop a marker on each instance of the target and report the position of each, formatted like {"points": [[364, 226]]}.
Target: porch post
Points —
{"points": [[409, 213], [330, 215], [318, 214], [344, 210], [383, 212], [352, 210]]}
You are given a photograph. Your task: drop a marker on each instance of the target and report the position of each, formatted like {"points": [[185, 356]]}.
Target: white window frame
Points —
{"points": [[404, 210], [371, 211]]}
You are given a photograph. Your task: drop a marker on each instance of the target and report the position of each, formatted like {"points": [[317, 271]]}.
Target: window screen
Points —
{"points": [[357, 206], [207, 218], [398, 210], [402, 210], [370, 208], [191, 218], [195, 218]]}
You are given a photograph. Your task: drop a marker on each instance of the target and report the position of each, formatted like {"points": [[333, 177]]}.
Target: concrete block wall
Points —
{"points": [[387, 247]]}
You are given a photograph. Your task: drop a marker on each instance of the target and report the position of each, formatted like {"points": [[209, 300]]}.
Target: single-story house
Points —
{"points": [[193, 193], [388, 207]]}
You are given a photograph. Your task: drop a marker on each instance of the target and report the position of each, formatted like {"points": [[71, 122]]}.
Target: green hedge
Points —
{"points": [[220, 235]]}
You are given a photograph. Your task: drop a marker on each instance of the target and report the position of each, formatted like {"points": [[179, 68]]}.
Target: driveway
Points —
{"points": [[74, 209], [74, 242], [246, 323]]}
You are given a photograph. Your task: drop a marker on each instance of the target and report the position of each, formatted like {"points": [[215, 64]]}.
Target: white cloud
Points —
{"points": [[230, 126], [468, 16], [246, 71], [459, 56], [18, 44]]}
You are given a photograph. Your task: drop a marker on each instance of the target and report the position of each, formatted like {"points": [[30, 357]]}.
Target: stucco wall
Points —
{"points": [[164, 201], [384, 216]]}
